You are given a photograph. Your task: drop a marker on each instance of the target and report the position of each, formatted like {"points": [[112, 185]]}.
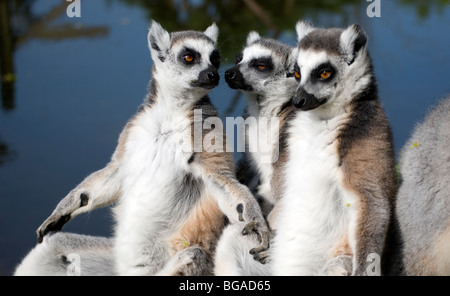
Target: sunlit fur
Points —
{"points": [[423, 202], [172, 201], [340, 175]]}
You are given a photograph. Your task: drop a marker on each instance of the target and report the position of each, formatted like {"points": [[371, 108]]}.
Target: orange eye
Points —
{"points": [[188, 58], [325, 74], [297, 74], [261, 67]]}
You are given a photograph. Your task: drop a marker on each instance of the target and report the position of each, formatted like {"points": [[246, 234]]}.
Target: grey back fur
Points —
{"points": [[423, 202]]}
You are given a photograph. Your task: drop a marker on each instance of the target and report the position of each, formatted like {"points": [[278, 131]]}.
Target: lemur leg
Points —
{"points": [[192, 261], [97, 190], [69, 254]]}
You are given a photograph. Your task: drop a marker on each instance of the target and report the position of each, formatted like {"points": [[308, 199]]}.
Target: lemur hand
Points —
{"points": [[62, 214], [52, 223], [259, 226], [263, 233]]}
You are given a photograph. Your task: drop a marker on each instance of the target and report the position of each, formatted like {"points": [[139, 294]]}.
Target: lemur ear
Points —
{"points": [[353, 40], [158, 41], [212, 32], [252, 37], [303, 28]]}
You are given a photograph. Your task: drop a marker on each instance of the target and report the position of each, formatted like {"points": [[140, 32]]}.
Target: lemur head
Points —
{"points": [[333, 67], [188, 60], [265, 67]]}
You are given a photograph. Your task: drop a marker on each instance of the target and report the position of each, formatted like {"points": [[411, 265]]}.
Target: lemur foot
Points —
{"points": [[259, 253], [192, 261], [338, 266]]}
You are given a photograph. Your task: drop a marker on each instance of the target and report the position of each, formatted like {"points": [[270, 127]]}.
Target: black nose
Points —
{"points": [[299, 103], [230, 75], [306, 101], [213, 77]]}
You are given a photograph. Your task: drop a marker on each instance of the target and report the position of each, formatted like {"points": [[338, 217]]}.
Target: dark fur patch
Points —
{"points": [[323, 39], [286, 113], [278, 48], [84, 199], [364, 118], [177, 37], [152, 93], [191, 159]]}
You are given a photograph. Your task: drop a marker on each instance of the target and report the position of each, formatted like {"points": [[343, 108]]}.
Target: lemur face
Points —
{"points": [[265, 67], [331, 66], [190, 59]]}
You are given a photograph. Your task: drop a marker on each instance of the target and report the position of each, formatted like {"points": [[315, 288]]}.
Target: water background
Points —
{"points": [[69, 85]]}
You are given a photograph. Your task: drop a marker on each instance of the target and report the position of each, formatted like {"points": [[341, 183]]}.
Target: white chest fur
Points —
{"points": [[263, 145], [313, 209], [156, 153]]}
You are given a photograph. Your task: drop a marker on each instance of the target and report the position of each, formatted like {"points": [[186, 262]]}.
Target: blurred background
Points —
{"points": [[69, 85]]}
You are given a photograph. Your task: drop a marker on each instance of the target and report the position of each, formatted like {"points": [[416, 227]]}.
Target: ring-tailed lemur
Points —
{"points": [[423, 200], [171, 194], [339, 179], [264, 71]]}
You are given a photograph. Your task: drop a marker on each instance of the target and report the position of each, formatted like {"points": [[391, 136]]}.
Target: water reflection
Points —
{"points": [[6, 153], [425, 8], [19, 24], [236, 18]]}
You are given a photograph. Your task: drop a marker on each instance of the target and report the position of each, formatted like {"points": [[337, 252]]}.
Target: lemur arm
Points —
{"points": [[371, 178], [234, 199], [99, 189]]}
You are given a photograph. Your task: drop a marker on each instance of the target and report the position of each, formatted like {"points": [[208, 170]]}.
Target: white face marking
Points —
{"points": [[274, 84], [178, 77], [203, 47], [255, 51], [307, 61]]}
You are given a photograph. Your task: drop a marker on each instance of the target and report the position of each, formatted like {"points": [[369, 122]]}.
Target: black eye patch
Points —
{"points": [[188, 52], [324, 73], [214, 58], [263, 64]]}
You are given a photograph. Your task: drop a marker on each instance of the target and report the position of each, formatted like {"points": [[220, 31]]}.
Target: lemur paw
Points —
{"points": [[192, 261], [338, 266], [259, 253], [62, 214], [53, 223]]}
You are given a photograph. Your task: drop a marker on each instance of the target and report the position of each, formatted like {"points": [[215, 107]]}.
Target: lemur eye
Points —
{"points": [[261, 67], [325, 74], [297, 74], [188, 58]]}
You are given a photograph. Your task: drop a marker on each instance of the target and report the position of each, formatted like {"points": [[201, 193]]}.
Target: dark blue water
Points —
{"points": [[75, 82]]}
